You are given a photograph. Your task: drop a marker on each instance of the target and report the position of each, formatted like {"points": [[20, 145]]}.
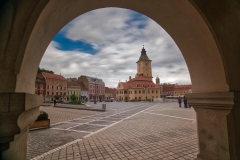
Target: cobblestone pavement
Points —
{"points": [[162, 131], [41, 141], [57, 115]]}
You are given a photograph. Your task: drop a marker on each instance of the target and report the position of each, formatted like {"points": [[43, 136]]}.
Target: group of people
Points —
{"points": [[186, 105]]}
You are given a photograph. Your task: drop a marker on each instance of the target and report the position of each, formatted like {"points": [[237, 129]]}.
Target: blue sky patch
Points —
{"points": [[137, 20], [66, 44], [138, 17]]}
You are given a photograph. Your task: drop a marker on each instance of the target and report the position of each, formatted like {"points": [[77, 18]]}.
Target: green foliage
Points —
{"points": [[40, 70], [43, 116], [77, 103], [73, 97]]}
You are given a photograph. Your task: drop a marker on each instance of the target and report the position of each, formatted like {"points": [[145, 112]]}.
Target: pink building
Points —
{"points": [[95, 87]]}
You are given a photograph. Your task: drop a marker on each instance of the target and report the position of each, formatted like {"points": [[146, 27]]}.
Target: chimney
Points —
{"points": [[130, 78]]}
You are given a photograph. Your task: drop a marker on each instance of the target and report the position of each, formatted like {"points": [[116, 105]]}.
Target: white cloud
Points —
{"points": [[119, 45]]}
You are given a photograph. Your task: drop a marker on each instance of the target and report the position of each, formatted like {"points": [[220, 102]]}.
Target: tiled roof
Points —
{"points": [[182, 86], [143, 55], [92, 80], [83, 88], [139, 83], [141, 78], [53, 76], [110, 90], [39, 75], [73, 85], [40, 79]]}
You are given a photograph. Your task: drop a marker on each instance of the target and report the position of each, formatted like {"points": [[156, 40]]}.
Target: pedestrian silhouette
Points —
{"points": [[179, 101]]}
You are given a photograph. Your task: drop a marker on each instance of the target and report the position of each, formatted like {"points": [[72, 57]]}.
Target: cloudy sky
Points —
{"points": [[106, 43]]}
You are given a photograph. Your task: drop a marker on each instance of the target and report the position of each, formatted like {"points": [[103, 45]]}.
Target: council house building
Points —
{"points": [[141, 87]]}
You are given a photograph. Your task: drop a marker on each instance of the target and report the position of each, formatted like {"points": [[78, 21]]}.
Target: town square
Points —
{"points": [[119, 79], [127, 130]]}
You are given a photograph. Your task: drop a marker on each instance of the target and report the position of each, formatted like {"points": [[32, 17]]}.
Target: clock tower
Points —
{"points": [[144, 66]]}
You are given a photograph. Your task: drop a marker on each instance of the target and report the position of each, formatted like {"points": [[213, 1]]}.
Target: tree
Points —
{"points": [[73, 97], [40, 70], [126, 99]]}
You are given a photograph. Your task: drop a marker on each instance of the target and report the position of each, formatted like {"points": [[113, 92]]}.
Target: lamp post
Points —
{"points": [[95, 102]]}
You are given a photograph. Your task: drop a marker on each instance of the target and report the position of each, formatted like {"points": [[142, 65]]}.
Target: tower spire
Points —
{"points": [[143, 51]]}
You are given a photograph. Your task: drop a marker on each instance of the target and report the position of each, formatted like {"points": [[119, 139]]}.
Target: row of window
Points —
{"points": [[60, 93], [137, 98], [139, 65], [49, 93], [140, 85], [93, 91], [41, 85], [98, 87], [144, 85], [74, 92], [52, 87], [57, 87], [173, 92], [137, 92]]}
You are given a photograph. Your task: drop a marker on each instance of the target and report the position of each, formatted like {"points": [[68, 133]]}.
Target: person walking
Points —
{"points": [[55, 102], [185, 102], [179, 101]]}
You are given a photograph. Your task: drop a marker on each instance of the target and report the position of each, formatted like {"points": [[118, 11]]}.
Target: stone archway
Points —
{"points": [[203, 31]]}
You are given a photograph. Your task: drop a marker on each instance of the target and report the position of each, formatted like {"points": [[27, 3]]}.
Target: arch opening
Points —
{"points": [[200, 52], [181, 20]]}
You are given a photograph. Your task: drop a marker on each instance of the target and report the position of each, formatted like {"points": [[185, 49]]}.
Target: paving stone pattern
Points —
{"points": [[147, 135], [80, 125], [57, 115]]}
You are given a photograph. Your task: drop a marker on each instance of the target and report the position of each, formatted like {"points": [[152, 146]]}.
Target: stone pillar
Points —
{"points": [[17, 113], [218, 124]]}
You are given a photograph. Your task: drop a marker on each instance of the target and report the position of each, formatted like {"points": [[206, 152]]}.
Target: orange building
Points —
{"points": [[175, 89], [56, 87], [181, 90], [110, 93], [141, 87], [167, 89]]}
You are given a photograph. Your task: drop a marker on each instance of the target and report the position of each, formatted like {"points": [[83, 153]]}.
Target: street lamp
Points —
{"points": [[95, 102]]}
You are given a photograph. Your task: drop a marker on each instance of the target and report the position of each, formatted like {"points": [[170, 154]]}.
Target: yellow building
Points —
{"points": [[141, 87], [74, 88]]}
